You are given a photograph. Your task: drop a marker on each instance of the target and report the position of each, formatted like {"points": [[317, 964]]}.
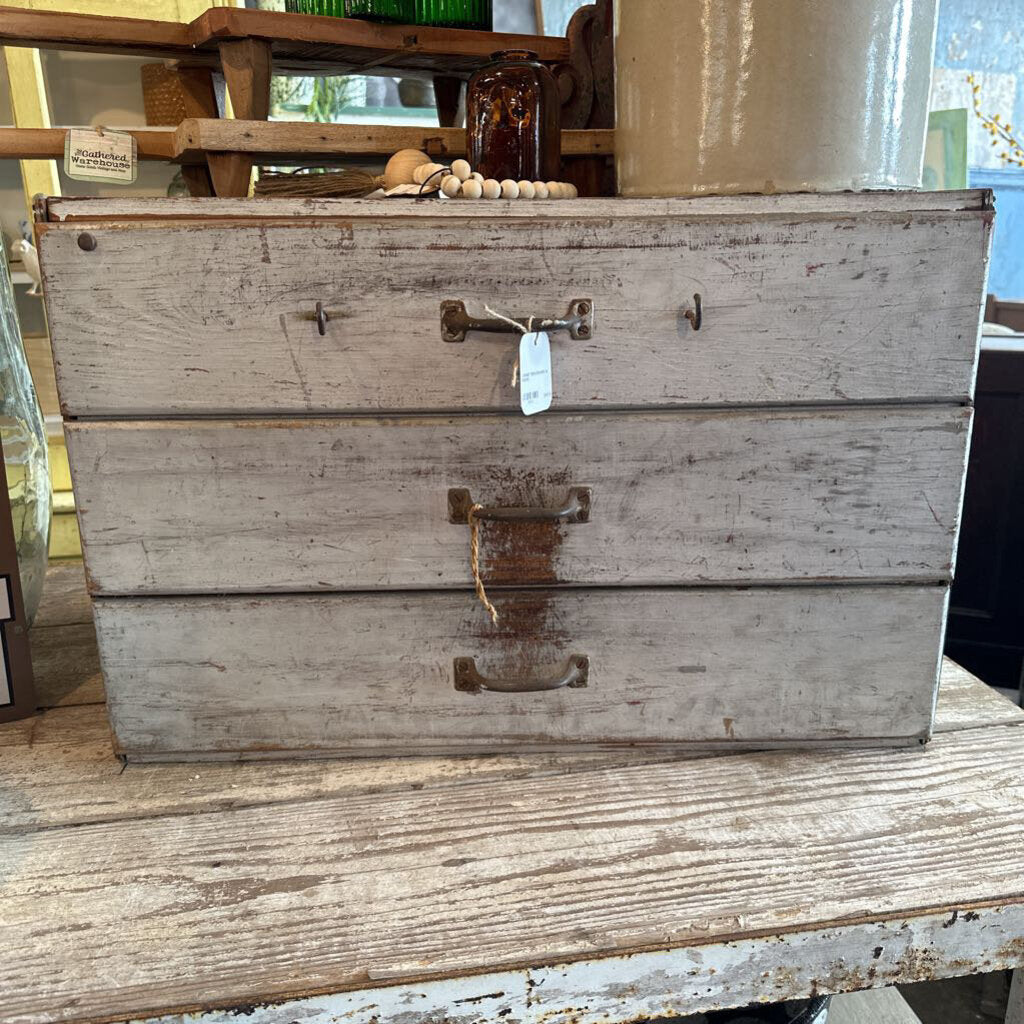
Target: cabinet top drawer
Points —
{"points": [[155, 311]]}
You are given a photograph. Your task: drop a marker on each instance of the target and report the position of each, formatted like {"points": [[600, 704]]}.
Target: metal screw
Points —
{"points": [[86, 242], [583, 308], [583, 330]]}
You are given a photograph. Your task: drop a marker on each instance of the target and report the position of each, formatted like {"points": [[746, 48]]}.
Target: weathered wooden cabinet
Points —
{"points": [[276, 417]]}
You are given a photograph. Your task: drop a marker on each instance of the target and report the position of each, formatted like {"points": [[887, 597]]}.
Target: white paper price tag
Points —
{"points": [[535, 373], [101, 156]]}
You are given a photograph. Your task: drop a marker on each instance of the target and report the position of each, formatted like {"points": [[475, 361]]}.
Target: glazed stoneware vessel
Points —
{"points": [[726, 96]]}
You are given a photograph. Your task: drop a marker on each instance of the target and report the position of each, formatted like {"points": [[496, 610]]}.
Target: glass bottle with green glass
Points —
{"points": [[402, 11], [477, 14]]}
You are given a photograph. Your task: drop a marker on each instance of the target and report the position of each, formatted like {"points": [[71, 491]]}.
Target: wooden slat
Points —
{"points": [[198, 506], [372, 674], [242, 906], [302, 45], [338, 46], [71, 673], [821, 308], [277, 140], [97, 33], [65, 601], [967, 703], [63, 765], [98, 208], [48, 143]]}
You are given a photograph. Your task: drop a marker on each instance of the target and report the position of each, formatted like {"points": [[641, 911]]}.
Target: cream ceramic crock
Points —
{"points": [[727, 96]]}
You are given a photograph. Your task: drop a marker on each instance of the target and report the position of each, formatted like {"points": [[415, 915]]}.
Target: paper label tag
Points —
{"points": [[90, 156], [535, 373]]}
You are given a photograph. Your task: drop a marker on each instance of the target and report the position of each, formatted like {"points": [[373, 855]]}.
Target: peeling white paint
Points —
{"points": [[671, 983]]}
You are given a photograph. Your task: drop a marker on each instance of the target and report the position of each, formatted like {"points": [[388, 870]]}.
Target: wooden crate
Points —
{"points": [[272, 516]]}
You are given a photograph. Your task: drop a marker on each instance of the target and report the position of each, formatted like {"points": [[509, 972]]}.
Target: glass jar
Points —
{"points": [[477, 14], [403, 11], [25, 456], [513, 119]]}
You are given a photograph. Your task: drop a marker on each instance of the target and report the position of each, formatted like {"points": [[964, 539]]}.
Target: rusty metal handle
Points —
{"points": [[456, 322], [575, 509], [469, 680]]}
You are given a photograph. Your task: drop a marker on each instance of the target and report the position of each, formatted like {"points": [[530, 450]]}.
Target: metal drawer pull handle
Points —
{"points": [[469, 680], [575, 509], [695, 315], [321, 318], [455, 321]]}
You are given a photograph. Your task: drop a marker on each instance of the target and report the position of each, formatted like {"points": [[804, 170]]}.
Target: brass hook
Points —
{"points": [[695, 315]]}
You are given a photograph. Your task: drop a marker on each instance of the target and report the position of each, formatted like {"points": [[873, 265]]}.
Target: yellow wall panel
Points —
{"points": [[157, 10], [30, 110]]}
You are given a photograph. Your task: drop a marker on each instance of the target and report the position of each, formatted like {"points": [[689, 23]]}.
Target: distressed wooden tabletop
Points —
{"points": [[558, 889]]}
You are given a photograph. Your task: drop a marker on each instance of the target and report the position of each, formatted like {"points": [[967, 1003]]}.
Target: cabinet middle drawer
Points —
{"points": [[213, 506]]}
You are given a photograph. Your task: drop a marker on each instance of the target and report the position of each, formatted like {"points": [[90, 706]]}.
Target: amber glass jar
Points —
{"points": [[513, 115], [456, 13]]}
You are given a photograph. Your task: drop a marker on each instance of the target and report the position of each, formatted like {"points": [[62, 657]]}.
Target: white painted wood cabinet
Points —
{"points": [[277, 413]]}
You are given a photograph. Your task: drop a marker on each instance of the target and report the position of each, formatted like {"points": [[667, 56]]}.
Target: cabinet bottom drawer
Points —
{"points": [[427, 673]]}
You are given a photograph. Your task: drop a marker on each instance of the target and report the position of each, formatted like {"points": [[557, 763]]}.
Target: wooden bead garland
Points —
{"points": [[460, 181]]}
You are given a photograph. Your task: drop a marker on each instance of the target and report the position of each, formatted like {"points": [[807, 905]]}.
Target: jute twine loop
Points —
{"points": [[474, 555], [519, 327], [471, 516]]}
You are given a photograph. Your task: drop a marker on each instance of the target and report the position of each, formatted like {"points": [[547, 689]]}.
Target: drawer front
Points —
{"points": [[365, 673], [173, 318], [674, 498]]}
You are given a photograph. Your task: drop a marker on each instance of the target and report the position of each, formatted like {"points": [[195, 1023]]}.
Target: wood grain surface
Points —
{"points": [[363, 673], [678, 498], [176, 318], [847, 204], [149, 889], [232, 907]]}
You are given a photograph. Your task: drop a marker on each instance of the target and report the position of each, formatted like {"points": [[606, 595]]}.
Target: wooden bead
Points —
{"points": [[491, 189], [402, 166], [477, 176], [462, 170], [526, 189], [426, 171], [540, 190], [554, 190], [570, 190], [450, 186], [509, 189], [471, 189]]}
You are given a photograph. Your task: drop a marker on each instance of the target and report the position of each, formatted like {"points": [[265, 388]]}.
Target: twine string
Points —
{"points": [[474, 558], [519, 327], [471, 515]]}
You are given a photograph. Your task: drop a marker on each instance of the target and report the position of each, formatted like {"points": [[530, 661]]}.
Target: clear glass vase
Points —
{"points": [[25, 456]]}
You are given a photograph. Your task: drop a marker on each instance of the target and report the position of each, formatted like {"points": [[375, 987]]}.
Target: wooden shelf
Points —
{"points": [[299, 43], [281, 142], [247, 47]]}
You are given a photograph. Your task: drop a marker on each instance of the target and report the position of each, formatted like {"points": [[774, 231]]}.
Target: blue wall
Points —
{"points": [[987, 36], [1006, 272]]}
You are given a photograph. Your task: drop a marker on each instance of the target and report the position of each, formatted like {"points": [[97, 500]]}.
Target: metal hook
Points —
{"points": [[695, 315], [321, 319]]}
